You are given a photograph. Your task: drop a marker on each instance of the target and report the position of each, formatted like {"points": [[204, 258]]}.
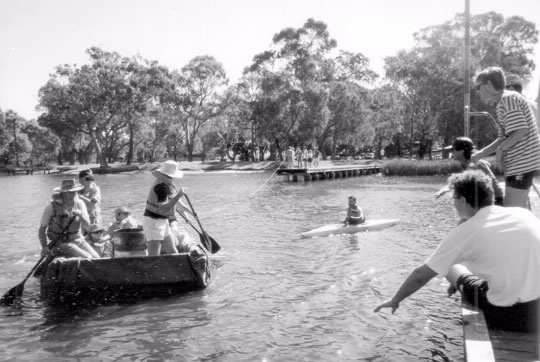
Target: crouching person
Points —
{"points": [[500, 247], [99, 242], [62, 222]]}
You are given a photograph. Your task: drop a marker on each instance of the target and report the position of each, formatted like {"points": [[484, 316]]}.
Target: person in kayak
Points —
{"points": [[355, 215]]}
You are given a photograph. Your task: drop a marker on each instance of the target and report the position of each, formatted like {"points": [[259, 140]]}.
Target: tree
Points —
{"points": [[195, 96]]}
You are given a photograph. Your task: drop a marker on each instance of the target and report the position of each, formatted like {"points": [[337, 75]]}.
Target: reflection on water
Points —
{"points": [[274, 296]]}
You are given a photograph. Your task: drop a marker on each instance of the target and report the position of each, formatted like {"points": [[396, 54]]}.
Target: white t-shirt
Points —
{"points": [[500, 245]]}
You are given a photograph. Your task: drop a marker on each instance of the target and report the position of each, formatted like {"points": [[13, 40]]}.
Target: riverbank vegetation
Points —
{"points": [[302, 91]]}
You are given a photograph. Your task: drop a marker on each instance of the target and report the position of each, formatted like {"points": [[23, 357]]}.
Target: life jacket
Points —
{"points": [[59, 221], [355, 212], [152, 205]]}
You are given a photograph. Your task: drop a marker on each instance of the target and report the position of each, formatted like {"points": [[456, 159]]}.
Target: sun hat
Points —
{"points": [[69, 186], [170, 168], [122, 210], [513, 79], [95, 228]]}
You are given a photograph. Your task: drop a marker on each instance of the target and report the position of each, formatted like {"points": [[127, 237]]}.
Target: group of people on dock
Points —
{"points": [[493, 256], [72, 225], [305, 157]]}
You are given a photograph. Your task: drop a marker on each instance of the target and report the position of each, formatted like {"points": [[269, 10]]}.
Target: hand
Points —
{"points": [[182, 191], [387, 304], [475, 157], [44, 252], [442, 192], [451, 290]]}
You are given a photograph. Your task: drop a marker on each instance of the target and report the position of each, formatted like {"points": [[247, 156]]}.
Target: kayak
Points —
{"points": [[336, 229]]}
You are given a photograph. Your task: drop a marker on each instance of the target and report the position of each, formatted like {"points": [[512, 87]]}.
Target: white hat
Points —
{"points": [[69, 186], [170, 168]]}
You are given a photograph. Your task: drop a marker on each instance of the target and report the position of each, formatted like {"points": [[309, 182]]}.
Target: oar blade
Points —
{"points": [[12, 295], [205, 242], [215, 246]]}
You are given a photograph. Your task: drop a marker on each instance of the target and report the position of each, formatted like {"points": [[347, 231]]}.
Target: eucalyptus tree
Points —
{"points": [[302, 68], [18, 144], [98, 100], [195, 96], [45, 144], [430, 76]]}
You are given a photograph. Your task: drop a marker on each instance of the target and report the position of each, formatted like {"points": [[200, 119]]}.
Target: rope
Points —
{"points": [[268, 179]]}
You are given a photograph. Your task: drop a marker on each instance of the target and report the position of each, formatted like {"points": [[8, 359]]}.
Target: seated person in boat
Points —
{"points": [[493, 258], [100, 243], [163, 199], [462, 149], [122, 220], [62, 222], [355, 215]]}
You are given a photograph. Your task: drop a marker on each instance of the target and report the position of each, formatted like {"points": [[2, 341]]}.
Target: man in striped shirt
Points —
{"points": [[517, 146]]}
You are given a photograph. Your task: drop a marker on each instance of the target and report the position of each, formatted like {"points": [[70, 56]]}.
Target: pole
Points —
{"points": [[467, 70]]}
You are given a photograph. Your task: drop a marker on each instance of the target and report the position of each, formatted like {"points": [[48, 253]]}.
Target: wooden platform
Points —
{"points": [[327, 173], [484, 345]]}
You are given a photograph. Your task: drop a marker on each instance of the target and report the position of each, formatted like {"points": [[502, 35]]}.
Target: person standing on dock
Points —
{"points": [[493, 258], [517, 146], [299, 156]]}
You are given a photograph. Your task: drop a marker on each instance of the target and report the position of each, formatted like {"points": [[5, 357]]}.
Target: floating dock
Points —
{"points": [[328, 173], [482, 344]]}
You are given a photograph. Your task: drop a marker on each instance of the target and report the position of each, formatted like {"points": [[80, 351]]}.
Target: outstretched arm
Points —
{"points": [[416, 280]]}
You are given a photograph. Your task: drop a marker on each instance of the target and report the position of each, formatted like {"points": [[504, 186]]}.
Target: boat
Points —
{"points": [[81, 281], [336, 229]]}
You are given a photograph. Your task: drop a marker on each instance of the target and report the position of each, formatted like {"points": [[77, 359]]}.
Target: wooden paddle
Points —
{"points": [[205, 238], [204, 241], [15, 293]]}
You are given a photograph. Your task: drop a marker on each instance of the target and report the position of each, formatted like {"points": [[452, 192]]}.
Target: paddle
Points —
{"points": [[214, 246], [204, 241], [15, 293]]}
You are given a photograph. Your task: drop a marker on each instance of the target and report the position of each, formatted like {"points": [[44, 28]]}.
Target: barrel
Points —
{"points": [[129, 242]]}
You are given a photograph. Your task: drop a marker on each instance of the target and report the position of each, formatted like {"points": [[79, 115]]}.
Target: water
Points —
{"points": [[273, 296]]}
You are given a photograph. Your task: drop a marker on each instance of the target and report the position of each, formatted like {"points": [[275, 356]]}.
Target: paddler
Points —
{"points": [[355, 215], [63, 219], [163, 199]]}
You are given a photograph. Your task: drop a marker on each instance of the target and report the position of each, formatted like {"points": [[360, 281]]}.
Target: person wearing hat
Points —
{"points": [[62, 222], [462, 149], [513, 82], [122, 220], [163, 199], [100, 243], [517, 146], [91, 195]]}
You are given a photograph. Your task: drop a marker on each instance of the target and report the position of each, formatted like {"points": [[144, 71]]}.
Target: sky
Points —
{"points": [[38, 35]]}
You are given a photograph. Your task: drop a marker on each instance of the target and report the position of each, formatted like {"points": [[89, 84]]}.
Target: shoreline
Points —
{"points": [[201, 167]]}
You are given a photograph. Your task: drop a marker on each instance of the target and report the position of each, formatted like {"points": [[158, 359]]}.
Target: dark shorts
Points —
{"points": [[520, 317], [522, 181]]}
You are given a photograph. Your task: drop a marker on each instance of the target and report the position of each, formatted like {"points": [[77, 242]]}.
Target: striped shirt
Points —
{"points": [[513, 113]]}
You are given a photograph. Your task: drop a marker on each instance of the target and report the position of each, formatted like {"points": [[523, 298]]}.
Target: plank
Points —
{"points": [[476, 335]]}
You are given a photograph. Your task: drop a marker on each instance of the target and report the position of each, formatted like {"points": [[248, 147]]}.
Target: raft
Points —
{"points": [[77, 281]]}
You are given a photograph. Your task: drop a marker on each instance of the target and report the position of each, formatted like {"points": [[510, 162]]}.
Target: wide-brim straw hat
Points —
{"points": [[170, 168], [95, 227], [122, 210], [69, 186]]}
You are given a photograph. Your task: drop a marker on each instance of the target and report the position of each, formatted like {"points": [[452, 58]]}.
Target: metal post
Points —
{"points": [[467, 73]]}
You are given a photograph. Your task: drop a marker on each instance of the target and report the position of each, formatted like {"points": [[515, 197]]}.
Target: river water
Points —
{"points": [[273, 297]]}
